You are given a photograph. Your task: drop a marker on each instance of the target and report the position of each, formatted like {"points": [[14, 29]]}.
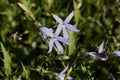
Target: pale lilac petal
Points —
{"points": [[101, 47], [59, 46], [113, 78], [51, 30], [61, 39], [117, 53], [72, 27], [58, 30], [94, 54], [64, 70], [58, 19], [69, 17], [50, 45], [69, 78], [44, 37], [65, 34], [61, 76], [47, 31]]}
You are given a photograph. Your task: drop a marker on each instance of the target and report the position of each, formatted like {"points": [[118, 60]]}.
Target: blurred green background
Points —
{"points": [[23, 53]]}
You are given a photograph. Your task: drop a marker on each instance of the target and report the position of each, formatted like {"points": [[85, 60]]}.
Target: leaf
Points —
{"points": [[26, 10], [72, 46], [6, 60], [25, 72]]}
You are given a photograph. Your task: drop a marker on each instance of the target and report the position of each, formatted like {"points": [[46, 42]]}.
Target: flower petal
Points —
{"points": [[69, 17], [93, 54], [69, 78], [64, 70], [47, 31], [61, 39], [72, 27], [117, 53], [58, 30], [58, 19], [59, 46], [113, 78], [101, 47], [65, 34], [50, 45], [61, 76], [44, 37]]}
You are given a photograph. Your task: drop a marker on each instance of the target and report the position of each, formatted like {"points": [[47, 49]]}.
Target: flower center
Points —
{"points": [[62, 25], [54, 38]]}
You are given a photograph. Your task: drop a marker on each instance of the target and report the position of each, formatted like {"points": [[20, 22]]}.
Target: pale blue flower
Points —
{"points": [[63, 25], [62, 74], [54, 38], [99, 54]]}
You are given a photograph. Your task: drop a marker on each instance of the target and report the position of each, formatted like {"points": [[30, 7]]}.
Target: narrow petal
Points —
{"points": [[58, 30], [47, 31], [44, 37], [51, 30], [64, 70], [65, 34], [117, 53], [58, 19], [69, 78], [93, 54], [72, 27], [113, 78], [69, 17], [61, 76], [101, 47], [61, 39], [50, 45], [59, 46]]}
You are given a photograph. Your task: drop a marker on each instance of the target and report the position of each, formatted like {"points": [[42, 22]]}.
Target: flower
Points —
{"points": [[63, 25], [99, 54], [62, 74], [117, 53], [54, 38]]}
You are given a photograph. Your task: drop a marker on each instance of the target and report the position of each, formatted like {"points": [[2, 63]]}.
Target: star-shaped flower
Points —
{"points": [[54, 38], [102, 56], [62, 74], [63, 25]]}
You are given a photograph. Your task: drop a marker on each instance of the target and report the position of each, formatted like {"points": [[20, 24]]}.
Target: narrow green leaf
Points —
{"points": [[25, 72], [6, 60], [72, 40]]}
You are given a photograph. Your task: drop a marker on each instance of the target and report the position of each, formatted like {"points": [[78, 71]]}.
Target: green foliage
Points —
{"points": [[27, 58], [6, 61]]}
